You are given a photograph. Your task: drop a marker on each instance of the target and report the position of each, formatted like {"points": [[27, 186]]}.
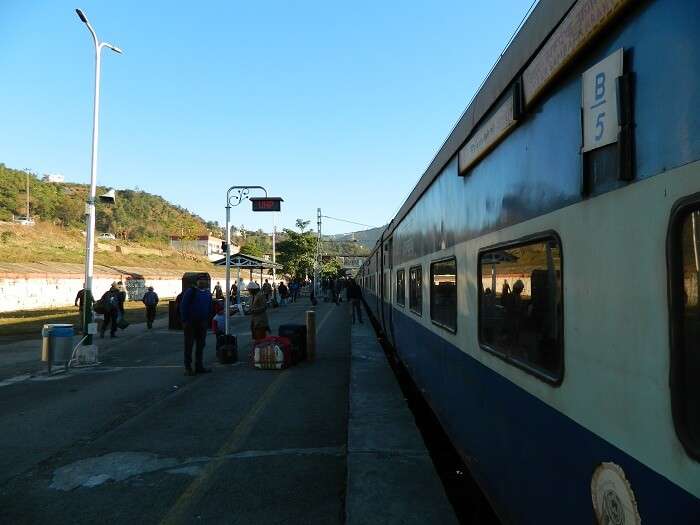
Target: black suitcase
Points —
{"points": [[226, 349], [296, 333]]}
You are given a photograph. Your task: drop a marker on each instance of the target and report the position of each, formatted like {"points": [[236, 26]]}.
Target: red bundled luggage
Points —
{"points": [[272, 353]]}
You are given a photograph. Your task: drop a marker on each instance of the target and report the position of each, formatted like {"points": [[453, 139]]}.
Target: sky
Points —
{"points": [[332, 105]]}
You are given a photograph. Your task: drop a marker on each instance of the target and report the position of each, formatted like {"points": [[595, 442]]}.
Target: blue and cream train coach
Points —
{"points": [[541, 282]]}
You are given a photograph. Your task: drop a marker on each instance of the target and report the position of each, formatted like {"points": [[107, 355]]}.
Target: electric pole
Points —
{"points": [[318, 253]]}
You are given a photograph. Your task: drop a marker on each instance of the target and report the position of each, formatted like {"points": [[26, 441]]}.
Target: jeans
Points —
{"points": [[195, 332], [356, 307]]}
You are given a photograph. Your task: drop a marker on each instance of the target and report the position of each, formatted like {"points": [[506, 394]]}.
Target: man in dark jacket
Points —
{"points": [[196, 313], [355, 297], [150, 300], [110, 299]]}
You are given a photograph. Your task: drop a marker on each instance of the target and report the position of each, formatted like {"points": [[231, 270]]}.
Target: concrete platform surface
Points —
{"points": [[135, 441], [391, 478]]}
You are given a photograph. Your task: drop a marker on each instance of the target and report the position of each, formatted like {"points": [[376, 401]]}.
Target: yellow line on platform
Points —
{"points": [[318, 328], [179, 513]]}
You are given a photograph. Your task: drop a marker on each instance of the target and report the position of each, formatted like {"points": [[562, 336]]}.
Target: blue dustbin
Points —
{"points": [[57, 343]]}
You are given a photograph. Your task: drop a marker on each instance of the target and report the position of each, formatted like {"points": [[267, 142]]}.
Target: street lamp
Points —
{"points": [[242, 193], [90, 206]]}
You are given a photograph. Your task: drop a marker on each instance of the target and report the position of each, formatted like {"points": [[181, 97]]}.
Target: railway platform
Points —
{"points": [[135, 441]]}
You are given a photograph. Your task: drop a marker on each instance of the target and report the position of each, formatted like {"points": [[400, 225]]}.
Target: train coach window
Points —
{"points": [[415, 290], [520, 305], [401, 287], [684, 273], [443, 293]]}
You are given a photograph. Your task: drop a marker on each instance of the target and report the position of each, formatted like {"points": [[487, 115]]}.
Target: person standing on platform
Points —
{"points": [[284, 293], [122, 299], [259, 325], [79, 298], [267, 291], [355, 297], [218, 292], [150, 300], [196, 314]]}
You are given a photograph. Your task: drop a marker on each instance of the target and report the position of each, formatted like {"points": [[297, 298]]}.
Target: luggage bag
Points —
{"points": [[296, 333], [272, 353], [226, 349]]}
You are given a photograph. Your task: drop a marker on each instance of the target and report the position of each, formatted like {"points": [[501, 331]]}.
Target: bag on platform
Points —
{"points": [[272, 353], [226, 349], [296, 334], [122, 323]]}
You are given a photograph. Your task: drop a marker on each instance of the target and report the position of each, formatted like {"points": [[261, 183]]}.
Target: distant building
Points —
{"points": [[206, 245], [53, 177]]}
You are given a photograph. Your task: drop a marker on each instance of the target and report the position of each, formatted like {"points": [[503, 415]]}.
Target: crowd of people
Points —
{"points": [[200, 309]]}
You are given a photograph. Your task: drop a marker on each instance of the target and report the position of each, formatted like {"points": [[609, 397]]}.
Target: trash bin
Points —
{"points": [[57, 343]]}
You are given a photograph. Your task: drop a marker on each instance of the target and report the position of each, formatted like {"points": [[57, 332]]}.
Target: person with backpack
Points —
{"points": [[150, 300], [110, 305], [196, 313], [218, 292]]}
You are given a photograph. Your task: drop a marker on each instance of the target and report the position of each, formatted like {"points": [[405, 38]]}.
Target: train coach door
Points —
{"points": [[389, 286]]}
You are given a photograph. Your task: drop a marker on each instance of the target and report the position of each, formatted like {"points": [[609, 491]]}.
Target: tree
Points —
{"points": [[297, 253], [254, 246], [331, 268], [302, 224]]}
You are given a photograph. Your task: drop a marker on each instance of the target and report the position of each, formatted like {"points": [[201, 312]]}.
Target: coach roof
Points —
{"points": [[544, 18]]}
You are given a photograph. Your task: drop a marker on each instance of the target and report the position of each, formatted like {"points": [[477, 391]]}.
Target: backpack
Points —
{"points": [[149, 299], [100, 307]]}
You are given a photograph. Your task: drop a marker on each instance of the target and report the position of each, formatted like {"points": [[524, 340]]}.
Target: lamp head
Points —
{"points": [[113, 48], [108, 198], [82, 16]]}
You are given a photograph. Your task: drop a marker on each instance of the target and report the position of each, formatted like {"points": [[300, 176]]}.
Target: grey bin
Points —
{"points": [[57, 343]]}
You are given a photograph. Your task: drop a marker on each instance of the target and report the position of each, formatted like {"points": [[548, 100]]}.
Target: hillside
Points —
{"points": [[367, 238], [136, 215], [49, 242]]}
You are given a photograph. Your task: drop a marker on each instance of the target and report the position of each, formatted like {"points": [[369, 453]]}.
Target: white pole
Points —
{"points": [[227, 300], [317, 266], [90, 207], [274, 258], [89, 242]]}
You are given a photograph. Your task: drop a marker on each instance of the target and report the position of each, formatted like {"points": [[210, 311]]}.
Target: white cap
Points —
{"points": [[252, 285]]}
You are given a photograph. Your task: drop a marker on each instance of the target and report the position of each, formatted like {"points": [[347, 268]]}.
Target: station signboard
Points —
{"points": [[599, 102]]}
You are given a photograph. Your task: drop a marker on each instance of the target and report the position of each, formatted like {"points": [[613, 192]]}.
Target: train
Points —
{"points": [[540, 283]]}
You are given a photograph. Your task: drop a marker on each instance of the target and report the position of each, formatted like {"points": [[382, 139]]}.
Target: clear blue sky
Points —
{"points": [[338, 105]]}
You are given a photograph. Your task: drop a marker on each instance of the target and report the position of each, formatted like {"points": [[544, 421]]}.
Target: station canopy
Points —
{"points": [[248, 262]]}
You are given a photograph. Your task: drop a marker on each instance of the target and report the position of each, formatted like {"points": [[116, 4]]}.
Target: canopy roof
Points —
{"points": [[241, 260]]}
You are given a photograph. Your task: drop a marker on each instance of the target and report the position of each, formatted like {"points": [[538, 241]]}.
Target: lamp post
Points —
{"points": [[274, 259], [242, 193], [90, 206]]}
